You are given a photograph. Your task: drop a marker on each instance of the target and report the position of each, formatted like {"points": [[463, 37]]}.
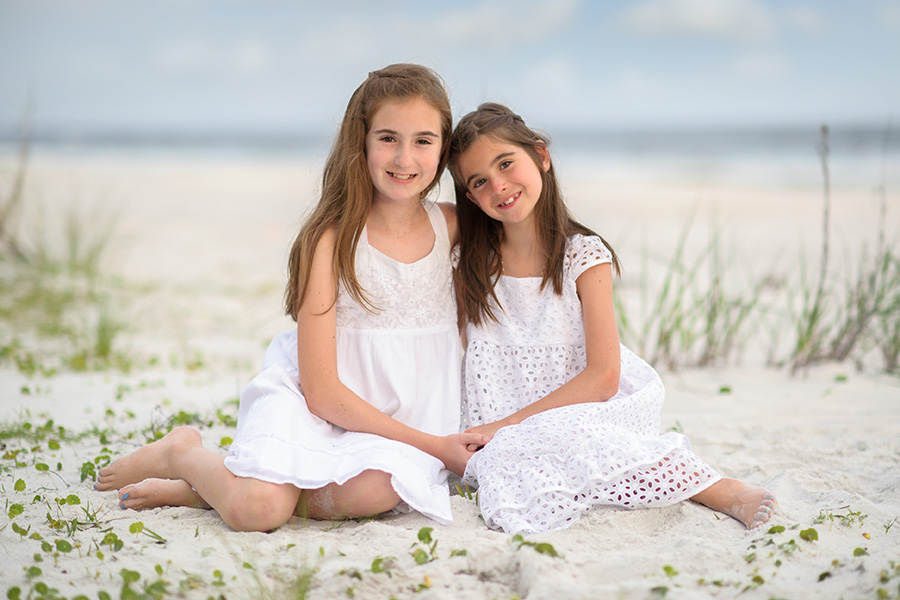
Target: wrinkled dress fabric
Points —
{"points": [[403, 359]]}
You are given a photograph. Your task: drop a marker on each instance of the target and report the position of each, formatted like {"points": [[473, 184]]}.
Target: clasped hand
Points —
{"points": [[456, 450]]}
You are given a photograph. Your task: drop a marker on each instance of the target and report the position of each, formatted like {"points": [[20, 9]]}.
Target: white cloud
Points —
{"points": [[247, 56], [633, 83], [505, 21], [804, 18], [889, 16], [761, 66], [724, 19], [363, 35]]}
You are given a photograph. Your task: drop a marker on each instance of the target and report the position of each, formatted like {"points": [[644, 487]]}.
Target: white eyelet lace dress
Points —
{"points": [[547, 471], [404, 360]]}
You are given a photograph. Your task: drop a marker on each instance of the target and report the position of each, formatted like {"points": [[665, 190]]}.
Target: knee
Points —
{"points": [[375, 494], [260, 508], [368, 494]]}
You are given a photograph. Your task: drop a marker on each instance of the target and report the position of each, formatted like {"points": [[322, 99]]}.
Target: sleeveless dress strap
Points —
{"points": [[439, 226]]}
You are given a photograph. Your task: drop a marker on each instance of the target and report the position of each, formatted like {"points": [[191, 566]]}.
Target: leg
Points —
{"points": [[365, 495], [752, 506], [154, 493], [245, 504]]}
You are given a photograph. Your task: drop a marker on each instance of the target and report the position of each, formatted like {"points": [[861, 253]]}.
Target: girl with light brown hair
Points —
{"points": [[356, 412]]}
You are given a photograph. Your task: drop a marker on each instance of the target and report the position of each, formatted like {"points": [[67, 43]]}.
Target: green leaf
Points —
{"points": [[824, 575], [53, 445], [382, 564], [15, 510], [129, 577], [73, 500], [42, 467], [776, 529], [20, 485], [63, 546], [860, 552], [88, 471], [545, 548], [420, 556], [670, 571], [810, 535], [136, 527], [425, 535]]}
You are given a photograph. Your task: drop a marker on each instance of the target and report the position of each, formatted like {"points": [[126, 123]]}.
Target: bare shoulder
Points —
{"points": [[449, 211], [325, 245]]}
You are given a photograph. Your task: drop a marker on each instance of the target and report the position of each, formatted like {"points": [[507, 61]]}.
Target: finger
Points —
{"points": [[475, 438]]}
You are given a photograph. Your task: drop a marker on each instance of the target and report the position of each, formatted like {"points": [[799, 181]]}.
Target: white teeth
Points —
{"points": [[403, 177], [509, 201]]}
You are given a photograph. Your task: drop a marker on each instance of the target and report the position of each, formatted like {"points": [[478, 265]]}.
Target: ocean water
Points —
{"points": [[857, 155]]}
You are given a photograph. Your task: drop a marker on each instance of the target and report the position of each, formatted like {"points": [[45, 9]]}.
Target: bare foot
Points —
{"points": [[752, 506], [153, 493], [151, 461]]}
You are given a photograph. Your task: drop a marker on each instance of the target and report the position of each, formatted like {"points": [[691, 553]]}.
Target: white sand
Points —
{"points": [[211, 237]]}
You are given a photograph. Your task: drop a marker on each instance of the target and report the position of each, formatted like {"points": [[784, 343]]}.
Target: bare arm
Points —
{"points": [[599, 381], [327, 397]]}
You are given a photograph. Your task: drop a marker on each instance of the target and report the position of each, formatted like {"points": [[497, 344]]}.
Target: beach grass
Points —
{"points": [[59, 309], [706, 310]]}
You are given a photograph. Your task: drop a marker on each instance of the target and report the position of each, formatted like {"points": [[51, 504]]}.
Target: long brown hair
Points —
{"points": [[347, 189], [480, 236]]}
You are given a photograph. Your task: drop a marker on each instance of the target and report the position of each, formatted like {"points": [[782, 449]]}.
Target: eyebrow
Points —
{"points": [[497, 159], [417, 134]]}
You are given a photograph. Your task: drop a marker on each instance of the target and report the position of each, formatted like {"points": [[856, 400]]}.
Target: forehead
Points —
{"points": [[407, 114], [482, 152]]}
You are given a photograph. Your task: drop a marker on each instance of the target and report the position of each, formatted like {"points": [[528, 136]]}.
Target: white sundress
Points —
{"points": [[404, 360], [547, 471]]}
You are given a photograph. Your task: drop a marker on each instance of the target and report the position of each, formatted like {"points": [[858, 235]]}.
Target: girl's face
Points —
{"points": [[403, 149], [503, 179]]}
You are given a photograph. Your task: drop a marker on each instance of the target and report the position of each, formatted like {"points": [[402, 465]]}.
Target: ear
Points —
{"points": [[545, 157]]}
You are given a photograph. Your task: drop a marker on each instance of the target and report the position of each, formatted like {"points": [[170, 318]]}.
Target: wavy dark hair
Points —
{"points": [[347, 188], [480, 236]]}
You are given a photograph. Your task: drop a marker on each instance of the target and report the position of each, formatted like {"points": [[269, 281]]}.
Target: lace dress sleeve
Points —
{"points": [[585, 252]]}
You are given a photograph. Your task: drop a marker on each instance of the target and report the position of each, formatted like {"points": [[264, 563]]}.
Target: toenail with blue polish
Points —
{"points": [[125, 496], [122, 506]]}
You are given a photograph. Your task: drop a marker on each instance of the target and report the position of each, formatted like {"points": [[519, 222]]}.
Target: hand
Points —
{"points": [[488, 429], [455, 450]]}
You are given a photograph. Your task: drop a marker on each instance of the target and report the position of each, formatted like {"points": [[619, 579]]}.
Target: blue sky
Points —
{"points": [[290, 66]]}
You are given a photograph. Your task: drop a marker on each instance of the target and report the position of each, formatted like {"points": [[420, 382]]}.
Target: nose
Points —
{"points": [[498, 185], [403, 155]]}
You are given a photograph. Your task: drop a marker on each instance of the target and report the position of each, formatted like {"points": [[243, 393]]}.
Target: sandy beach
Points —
{"points": [[196, 267]]}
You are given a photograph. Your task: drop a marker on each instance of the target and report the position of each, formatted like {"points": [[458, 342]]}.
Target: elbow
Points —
{"points": [[606, 385], [315, 401]]}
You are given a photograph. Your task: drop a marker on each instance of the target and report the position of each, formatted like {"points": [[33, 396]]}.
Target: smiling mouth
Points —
{"points": [[401, 177], [509, 200]]}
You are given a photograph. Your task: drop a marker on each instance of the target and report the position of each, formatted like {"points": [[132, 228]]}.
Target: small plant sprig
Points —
{"points": [[464, 491], [425, 550], [846, 520], [539, 547], [138, 528]]}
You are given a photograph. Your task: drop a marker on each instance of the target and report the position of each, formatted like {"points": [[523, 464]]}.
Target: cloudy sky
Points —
{"points": [[290, 65]]}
